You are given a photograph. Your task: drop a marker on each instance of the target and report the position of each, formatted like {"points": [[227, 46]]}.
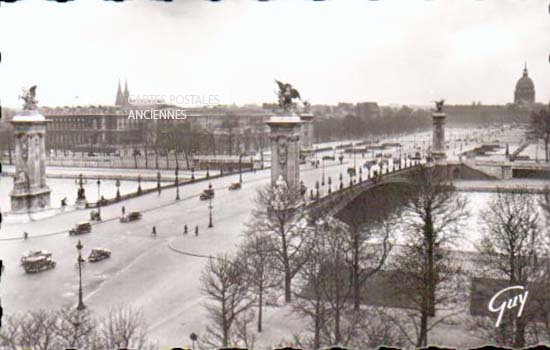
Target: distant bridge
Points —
{"points": [[338, 199]]}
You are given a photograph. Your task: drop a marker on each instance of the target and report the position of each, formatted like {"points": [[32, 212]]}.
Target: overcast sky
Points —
{"points": [[389, 51]]}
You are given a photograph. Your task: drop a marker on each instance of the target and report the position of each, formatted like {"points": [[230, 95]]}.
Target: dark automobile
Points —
{"points": [[235, 186], [38, 263], [207, 194], [83, 227], [98, 254], [133, 216]]}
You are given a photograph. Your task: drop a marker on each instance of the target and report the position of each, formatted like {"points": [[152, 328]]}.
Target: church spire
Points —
{"points": [[119, 98], [525, 69]]}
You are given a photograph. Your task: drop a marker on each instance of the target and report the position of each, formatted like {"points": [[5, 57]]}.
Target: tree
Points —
{"points": [[76, 329], [540, 127], [279, 213], [511, 249], [257, 253], [65, 328], [223, 281], [123, 328], [431, 223]]}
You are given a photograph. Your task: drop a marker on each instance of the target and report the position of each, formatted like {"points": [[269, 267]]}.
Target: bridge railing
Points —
{"points": [[336, 195]]}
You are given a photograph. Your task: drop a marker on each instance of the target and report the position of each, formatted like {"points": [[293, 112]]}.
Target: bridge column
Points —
{"points": [[30, 193], [285, 149], [439, 153], [307, 133]]}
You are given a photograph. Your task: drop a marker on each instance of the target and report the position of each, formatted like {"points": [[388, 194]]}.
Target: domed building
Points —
{"points": [[525, 90]]}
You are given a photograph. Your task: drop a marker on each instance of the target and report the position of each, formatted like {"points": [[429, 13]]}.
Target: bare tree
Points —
{"points": [[511, 249], [223, 281], [540, 127], [259, 260], [123, 327], [334, 248], [280, 214], [309, 301], [431, 224], [35, 330], [76, 329]]}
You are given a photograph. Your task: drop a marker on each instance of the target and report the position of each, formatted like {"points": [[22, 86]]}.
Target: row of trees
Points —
{"points": [[390, 121], [324, 269], [121, 328]]}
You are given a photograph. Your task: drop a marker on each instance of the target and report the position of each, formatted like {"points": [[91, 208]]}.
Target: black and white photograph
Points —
{"points": [[274, 174]]}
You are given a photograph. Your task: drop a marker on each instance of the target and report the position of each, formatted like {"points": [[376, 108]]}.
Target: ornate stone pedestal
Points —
{"points": [[30, 193], [439, 153], [285, 148]]}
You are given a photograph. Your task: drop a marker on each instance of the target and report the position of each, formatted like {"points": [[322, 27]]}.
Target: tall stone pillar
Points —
{"points": [[30, 193], [439, 152], [285, 148], [307, 133]]}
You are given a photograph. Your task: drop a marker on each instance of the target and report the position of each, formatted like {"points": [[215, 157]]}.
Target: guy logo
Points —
{"points": [[508, 304]]}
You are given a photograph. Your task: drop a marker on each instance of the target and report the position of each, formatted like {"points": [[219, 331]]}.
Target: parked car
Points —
{"points": [[207, 194], [82, 227], [235, 186], [98, 254], [34, 253], [133, 216], [38, 263]]}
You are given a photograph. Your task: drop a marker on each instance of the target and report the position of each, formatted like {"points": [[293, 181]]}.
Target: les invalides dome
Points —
{"points": [[525, 89]]}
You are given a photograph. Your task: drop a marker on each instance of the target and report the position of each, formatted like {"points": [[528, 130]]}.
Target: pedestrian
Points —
{"points": [[185, 229], [154, 232], [25, 235], [197, 230], [123, 210]]}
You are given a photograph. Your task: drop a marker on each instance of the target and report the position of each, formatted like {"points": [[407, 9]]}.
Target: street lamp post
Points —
{"points": [[323, 170], [158, 182], [81, 181], [210, 224], [117, 184], [240, 168], [177, 184], [99, 199], [80, 305], [317, 188]]}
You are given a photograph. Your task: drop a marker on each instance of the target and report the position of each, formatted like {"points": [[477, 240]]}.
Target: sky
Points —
{"points": [[389, 51]]}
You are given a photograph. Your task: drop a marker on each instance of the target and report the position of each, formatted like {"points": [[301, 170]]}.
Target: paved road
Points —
{"points": [[143, 270]]}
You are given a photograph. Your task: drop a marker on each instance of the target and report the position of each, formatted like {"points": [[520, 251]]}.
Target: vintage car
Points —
{"points": [[133, 216], [34, 253], [94, 215], [207, 194], [328, 158], [97, 254], [235, 186], [38, 263], [82, 227]]}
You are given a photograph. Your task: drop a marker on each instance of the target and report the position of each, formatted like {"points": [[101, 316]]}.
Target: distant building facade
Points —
{"points": [[109, 128]]}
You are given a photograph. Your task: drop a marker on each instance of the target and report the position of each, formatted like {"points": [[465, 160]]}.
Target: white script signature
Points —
{"points": [[508, 304]]}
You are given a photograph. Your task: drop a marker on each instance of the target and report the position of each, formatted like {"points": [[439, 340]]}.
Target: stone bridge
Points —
{"points": [[332, 203]]}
